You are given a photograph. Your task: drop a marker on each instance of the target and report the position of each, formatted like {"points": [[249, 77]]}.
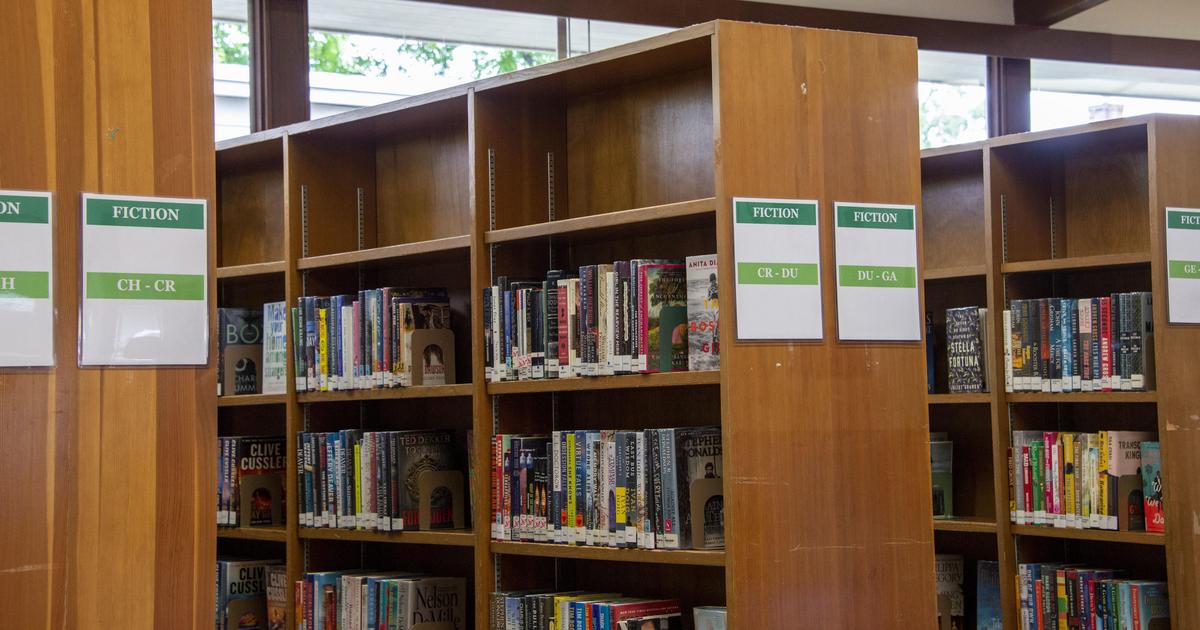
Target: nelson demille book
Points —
{"points": [[702, 311]]}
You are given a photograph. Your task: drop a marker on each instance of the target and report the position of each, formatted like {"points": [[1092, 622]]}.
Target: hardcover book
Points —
{"points": [[274, 348], [664, 324], [987, 596], [948, 571], [709, 617], [239, 351], [241, 594], [1124, 480], [941, 460], [260, 471], [277, 590], [703, 313], [964, 350], [1152, 487]]}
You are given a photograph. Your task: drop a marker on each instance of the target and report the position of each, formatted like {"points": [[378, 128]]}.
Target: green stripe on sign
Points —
{"points": [[144, 286], [151, 214], [1185, 269], [1180, 220], [875, 276], [889, 218], [776, 212], [24, 209], [776, 273], [30, 285]]}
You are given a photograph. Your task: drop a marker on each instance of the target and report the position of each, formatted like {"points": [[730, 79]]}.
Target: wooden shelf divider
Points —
{"points": [[1100, 535], [454, 538], [270, 534], [251, 270], [954, 273], [391, 393], [1083, 397], [969, 524], [250, 400], [1104, 261], [405, 251], [618, 220], [658, 556], [983, 398], [588, 383]]}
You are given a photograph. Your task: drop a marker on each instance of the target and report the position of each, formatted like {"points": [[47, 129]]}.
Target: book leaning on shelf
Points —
{"points": [[1082, 480], [377, 338], [250, 481], [580, 610], [379, 600], [627, 317], [1071, 596], [968, 350], [1080, 345], [239, 351], [378, 480], [651, 489]]}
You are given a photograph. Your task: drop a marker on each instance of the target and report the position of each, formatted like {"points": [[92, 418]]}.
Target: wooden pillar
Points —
{"points": [[827, 501], [1008, 88], [278, 63], [106, 473]]}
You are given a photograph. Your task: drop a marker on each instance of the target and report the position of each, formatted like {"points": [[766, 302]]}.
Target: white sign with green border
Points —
{"points": [[777, 262], [26, 279], [876, 251], [1183, 265], [145, 281]]}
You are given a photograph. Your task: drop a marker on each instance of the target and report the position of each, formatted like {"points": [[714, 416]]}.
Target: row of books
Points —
{"points": [[1069, 596], [388, 337], [642, 489], [252, 350], [952, 603], [631, 316], [1080, 345], [376, 480], [250, 473], [251, 594], [582, 610], [379, 600], [1108, 480]]}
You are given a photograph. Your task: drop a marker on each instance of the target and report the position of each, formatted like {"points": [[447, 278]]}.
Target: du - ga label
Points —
{"points": [[876, 252], [1183, 265], [145, 267], [26, 279], [777, 247]]}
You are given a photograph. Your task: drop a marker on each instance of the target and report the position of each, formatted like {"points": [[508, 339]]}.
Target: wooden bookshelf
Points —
{"points": [[960, 399], [1072, 212], [971, 525], [616, 155]]}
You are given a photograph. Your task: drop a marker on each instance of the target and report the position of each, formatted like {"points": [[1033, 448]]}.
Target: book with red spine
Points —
{"points": [[1106, 344]]}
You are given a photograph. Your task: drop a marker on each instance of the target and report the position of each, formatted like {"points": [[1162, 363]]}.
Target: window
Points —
{"points": [[587, 36], [1072, 93], [231, 79], [952, 94]]}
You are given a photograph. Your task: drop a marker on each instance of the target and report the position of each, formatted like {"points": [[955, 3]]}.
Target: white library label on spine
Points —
{"points": [[145, 281], [26, 279], [1183, 265], [777, 267], [876, 251]]}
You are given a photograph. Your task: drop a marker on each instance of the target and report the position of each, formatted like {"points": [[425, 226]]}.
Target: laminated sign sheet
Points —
{"points": [[1183, 265], [26, 279], [145, 281], [777, 262], [877, 295]]}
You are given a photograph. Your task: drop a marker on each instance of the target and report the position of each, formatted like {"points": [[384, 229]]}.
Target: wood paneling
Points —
{"points": [[110, 520], [278, 62], [827, 425]]}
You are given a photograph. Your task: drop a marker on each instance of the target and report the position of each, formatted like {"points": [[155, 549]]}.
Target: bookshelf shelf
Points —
{"points": [[464, 538], [960, 399], [270, 534], [251, 270], [629, 381], [965, 524], [1103, 261], [430, 391], [250, 400], [657, 556], [609, 223], [407, 252], [1100, 535], [1083, 397], [955, 273]]}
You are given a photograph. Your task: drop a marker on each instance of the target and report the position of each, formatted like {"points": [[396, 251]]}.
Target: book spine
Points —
{"points": [[654, 437], [1114, 341], [1105, 344], [670, 489], [1008, 350], [550, 326]]}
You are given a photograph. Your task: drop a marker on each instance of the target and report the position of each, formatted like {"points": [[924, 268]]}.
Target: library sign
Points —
{"points": [[26, 279], [777, 251], [1183, 265], [145, 268], [877, 296]]}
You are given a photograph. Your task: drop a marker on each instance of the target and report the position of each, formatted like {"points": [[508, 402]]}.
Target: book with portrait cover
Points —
{"points": [[663, 320], [702, 309], [239, 351]]}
